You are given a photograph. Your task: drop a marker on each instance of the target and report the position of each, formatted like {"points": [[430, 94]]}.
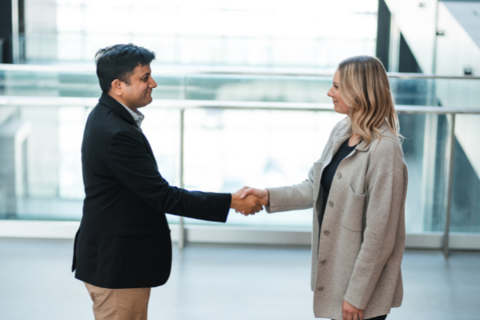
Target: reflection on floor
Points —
{"points": [[227, 282]]}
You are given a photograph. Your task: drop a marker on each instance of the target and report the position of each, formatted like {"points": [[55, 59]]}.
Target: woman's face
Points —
{"points": [[334, 93]]}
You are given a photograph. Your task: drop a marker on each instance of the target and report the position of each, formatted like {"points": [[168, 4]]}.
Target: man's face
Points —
{"points": [[139, 92]]}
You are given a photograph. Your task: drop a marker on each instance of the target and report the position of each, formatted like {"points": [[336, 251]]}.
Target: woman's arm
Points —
{"points": [[298, 196]]}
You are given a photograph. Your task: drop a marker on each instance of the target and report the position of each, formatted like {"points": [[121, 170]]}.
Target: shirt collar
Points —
{"points": [[136, 115]]}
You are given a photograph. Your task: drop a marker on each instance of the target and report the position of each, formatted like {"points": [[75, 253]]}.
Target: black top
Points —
{"points": [[124, 238], [329, 171]]}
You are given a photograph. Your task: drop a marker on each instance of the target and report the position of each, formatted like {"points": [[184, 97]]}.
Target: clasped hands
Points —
{"points": [[249, 200]]}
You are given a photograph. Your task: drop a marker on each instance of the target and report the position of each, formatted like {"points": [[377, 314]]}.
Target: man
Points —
{"points": [[123, 245]]}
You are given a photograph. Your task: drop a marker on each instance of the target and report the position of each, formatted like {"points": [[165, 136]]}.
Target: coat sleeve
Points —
{"points": [[384, 210], [299, 196], [134, 167]]}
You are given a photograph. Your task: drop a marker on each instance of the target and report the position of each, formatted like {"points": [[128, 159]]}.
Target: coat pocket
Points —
{"points": [[352, 218]]}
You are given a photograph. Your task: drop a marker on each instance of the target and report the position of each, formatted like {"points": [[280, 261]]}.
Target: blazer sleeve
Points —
{"points": [[296, 197], [384, 210], [133, 166]]}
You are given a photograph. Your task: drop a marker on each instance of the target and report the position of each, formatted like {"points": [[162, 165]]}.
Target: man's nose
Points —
{"points": [[153, 84]]}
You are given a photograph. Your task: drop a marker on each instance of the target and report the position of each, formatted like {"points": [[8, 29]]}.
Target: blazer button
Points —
{"points": [[323, 262], [330, 203], [339, 175], [320, 288], [326, 232]]}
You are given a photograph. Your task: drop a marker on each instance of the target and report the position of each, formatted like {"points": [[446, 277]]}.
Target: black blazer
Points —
{"points": [[124, 239]]}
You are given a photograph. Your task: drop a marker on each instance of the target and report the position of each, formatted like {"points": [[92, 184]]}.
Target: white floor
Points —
{"points": [[227, 282]]}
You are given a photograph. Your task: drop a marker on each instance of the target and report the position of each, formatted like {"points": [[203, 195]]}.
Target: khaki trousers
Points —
{"points": [[119, 304]]}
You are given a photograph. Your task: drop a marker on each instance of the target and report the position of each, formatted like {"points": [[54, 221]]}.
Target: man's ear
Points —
{"points": [[117, 87]]}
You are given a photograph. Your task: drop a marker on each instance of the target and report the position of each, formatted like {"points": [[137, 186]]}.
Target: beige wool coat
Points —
{"points": [[357, 254]]}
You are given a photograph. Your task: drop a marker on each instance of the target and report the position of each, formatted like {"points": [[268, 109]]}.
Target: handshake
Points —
{"points": [[249, 200]]}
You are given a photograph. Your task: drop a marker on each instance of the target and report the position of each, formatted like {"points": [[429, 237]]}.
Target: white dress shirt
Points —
{"points": [[136, 115]]}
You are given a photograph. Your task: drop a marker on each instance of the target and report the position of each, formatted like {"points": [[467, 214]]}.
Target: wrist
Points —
{"points": [[234, 202]]}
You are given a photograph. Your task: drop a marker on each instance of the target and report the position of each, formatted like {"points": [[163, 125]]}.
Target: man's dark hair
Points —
{"points": [[118, 62]]}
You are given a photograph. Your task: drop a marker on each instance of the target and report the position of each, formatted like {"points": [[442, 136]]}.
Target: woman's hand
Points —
{"points": [[262, 194], [350, 312], [249, 204]]}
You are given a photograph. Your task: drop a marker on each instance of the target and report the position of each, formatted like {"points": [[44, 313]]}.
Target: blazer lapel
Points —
{"points": [[113, 104]]}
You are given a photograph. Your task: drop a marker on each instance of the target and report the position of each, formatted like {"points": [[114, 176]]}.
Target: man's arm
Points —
{"points": [[132, 165]]}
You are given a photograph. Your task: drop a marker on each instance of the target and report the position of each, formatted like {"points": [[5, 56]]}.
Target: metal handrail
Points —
{"points": [[183, 105], [214, 104], [212, 70]]}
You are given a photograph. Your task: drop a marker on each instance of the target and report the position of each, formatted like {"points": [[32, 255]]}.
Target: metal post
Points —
{"points": [[181, 226], [15, 33], [428, 168], [449, 153], [181, 229]]}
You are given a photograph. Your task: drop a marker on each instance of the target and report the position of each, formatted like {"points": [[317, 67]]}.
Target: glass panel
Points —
{"points": [[413, 92], [41, 83], [452, 93], [466, 175], [226, 150], [62, 82], [424, 152], [258, 88], [40, 152], [412, 127], [458, 93]]}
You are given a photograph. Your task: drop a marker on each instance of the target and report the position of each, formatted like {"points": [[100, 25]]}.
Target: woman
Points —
{"points": [[358, 190]]}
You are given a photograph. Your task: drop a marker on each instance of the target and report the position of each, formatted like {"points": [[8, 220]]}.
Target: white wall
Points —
{"points": [[460, 46], [457, 49], [417, 24]]}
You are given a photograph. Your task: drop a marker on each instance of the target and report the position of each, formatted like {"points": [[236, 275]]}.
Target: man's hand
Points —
{"points": [[247, 205], [350, 312], [262, 194]]}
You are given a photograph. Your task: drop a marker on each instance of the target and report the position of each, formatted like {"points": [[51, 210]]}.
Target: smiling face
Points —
{"points": [[338, 104], [138, 92]]}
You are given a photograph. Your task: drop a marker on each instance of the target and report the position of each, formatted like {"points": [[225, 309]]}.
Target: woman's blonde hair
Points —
{"points": [[364, 87]]}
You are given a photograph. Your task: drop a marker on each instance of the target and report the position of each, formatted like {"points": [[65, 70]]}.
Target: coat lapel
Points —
{"points": [[340, 136]]}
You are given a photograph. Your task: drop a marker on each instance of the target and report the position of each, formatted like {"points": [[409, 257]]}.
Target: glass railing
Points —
{"points": [[260, 129], [226, 146], [242, 84]]}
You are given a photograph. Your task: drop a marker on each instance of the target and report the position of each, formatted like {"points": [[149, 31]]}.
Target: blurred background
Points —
{"points": [[256, 51], [241, 100]]}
